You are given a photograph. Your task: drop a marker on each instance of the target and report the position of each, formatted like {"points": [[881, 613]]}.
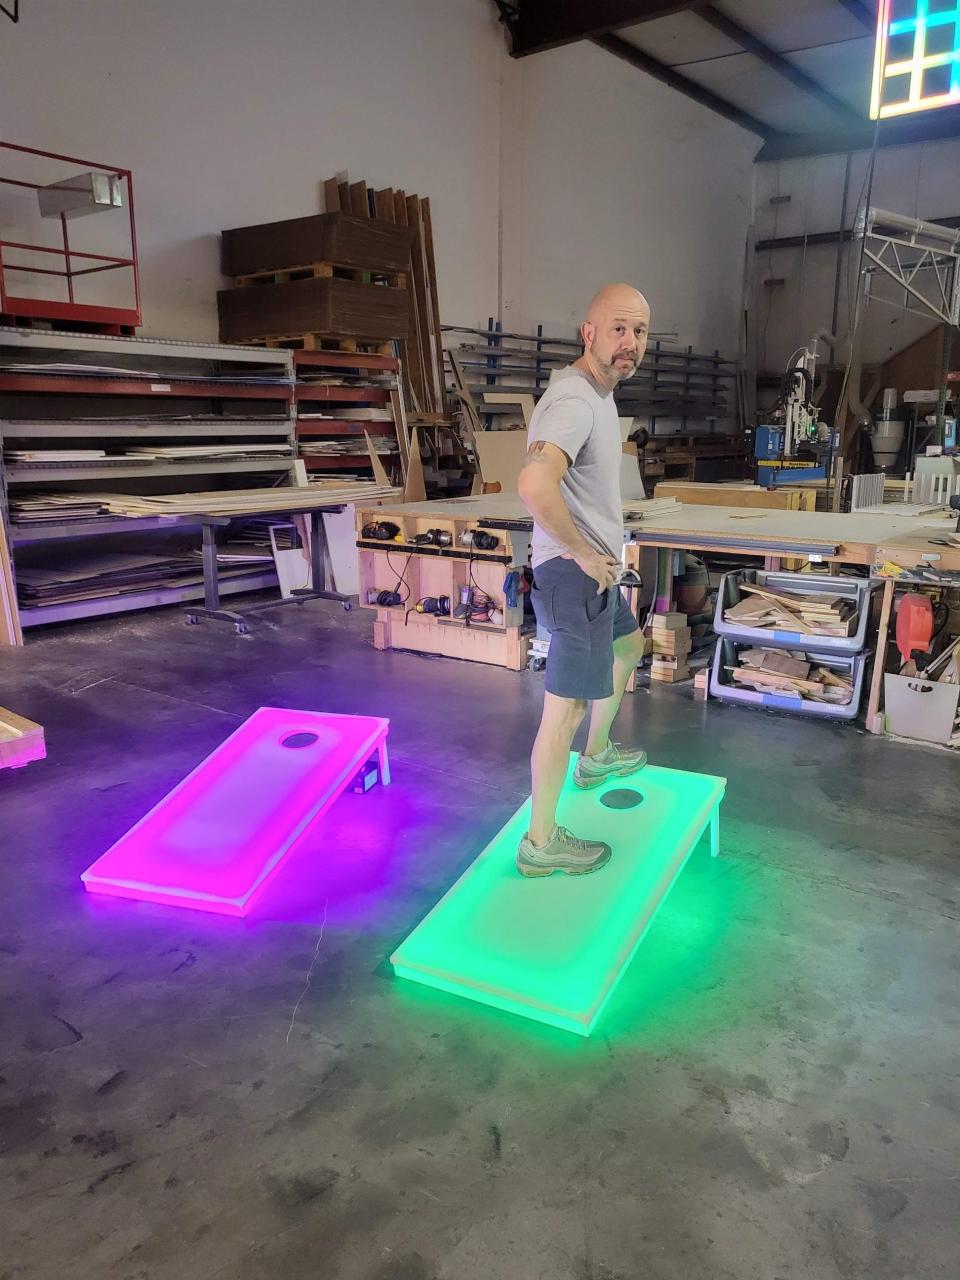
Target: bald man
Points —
{"points": [[570, 483]]}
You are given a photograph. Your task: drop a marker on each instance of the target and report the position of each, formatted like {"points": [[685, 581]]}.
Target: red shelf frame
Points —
{"points": [[369, 395], [335, 428], [17, 307], [344, 360], [193, 390], [338, 461]]}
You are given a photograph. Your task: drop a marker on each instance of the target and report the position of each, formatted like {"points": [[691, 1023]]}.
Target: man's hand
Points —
{"points": [[603, 569]]}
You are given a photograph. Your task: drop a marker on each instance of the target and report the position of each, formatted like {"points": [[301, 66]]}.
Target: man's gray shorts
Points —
{"points": [[583, 626]]}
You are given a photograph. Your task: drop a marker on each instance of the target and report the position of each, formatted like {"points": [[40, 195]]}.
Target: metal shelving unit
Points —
{"points": [[63, 391], [324, 398], [47, 472]]}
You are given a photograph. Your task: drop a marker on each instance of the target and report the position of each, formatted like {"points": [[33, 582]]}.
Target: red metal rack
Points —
{"points": [[20, 309]]}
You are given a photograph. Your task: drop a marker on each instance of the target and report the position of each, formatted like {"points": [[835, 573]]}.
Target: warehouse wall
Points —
{"points": [[921, 181], [623, 178], [232, 111]]}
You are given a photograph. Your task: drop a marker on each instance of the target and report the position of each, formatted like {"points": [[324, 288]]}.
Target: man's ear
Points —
{"points": [[588, 332]]}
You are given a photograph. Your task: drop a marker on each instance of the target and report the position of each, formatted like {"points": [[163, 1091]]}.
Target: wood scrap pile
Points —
{"points": [[813, 615], [773, 671]]}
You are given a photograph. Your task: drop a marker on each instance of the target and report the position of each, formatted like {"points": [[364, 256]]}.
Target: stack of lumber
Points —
{"points": [[773, 671], [814, 615], [672, 641], [240, 502], [90, 577], [20, 741], [330, 275], [40, 507], [423, 372]]}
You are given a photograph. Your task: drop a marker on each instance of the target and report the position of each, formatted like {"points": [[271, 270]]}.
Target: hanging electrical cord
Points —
{"points": [[401, 578]]}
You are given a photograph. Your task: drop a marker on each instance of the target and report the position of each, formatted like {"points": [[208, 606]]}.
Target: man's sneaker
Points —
{"points": [[591, 771], [562, 852]]}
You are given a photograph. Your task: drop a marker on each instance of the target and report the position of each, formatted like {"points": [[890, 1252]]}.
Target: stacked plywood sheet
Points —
{"points": [[369, 244], [329, 276], [424, 382], [91, 577]]}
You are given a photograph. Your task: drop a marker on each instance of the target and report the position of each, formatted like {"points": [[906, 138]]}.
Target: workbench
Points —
{"points": [[816, 537]]}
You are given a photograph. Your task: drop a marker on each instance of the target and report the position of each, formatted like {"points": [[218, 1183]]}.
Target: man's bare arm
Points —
{"points": [[539, 488]]}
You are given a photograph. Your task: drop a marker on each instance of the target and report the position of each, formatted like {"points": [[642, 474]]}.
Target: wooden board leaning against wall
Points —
{"points": [[10, 630]]}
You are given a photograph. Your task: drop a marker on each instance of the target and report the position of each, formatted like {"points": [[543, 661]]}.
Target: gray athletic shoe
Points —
{"points": [[562, 852], [591, 771]]}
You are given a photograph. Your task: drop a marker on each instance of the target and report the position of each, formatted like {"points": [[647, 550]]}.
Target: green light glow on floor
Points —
{"points": [[554, 949]]}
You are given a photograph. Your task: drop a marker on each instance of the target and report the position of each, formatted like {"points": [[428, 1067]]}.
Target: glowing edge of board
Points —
{"points": [[540, 1013], [173, 896]]}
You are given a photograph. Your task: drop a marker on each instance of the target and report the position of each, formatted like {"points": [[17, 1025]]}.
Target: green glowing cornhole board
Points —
{"points": [[554, 948]]}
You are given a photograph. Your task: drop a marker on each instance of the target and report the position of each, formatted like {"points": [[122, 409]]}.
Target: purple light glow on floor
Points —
{"points": [[214, 842]]}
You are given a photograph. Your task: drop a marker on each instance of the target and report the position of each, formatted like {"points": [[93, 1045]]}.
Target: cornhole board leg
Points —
{"points": [[217, 839], [554, 949]]}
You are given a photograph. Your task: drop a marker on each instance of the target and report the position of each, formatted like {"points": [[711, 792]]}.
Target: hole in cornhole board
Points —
{"points": [[621, 798], [295, 740]]}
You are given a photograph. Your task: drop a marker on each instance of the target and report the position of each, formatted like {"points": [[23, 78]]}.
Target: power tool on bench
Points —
{"points": [[794, 445], [917, 628]]}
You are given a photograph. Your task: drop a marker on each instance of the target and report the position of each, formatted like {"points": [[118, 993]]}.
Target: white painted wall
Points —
{"points": [[232, 111], [922, 181], [625, 179]]}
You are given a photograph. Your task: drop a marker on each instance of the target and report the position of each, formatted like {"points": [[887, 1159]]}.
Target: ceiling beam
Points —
{"points": [[901, 131], [751, 44], [862, 12], [689, 88], [547, 24]]}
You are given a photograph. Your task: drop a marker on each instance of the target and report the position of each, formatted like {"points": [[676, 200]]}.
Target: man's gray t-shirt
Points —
{"points": [[575, 417]]}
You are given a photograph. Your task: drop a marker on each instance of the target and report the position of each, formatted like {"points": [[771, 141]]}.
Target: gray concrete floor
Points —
{"points": [[773, 1092]]}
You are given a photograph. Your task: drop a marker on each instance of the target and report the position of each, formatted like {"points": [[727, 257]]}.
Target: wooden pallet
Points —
{"points": [[315, 270], [320, 342]]}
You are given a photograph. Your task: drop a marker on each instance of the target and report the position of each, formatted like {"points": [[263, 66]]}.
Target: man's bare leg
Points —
{"points": [[550, 759], [627, 652]]}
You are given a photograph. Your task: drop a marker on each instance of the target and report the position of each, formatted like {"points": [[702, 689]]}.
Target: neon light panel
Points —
{"points": [[219, 836], [555, 949], [917, 60]]}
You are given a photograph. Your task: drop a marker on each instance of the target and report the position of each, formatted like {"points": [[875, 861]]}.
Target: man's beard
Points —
{"points": [[618, 371]]}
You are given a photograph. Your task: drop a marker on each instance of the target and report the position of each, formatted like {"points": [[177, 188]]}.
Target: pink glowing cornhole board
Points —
{"points": [[216, 840]]}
